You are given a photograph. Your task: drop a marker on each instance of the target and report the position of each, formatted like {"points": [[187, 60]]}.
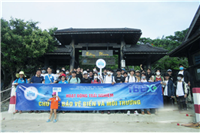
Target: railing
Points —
{"points": [[5, 91]]}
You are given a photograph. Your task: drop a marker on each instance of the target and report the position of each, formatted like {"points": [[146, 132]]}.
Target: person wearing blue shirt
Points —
{"points": [[63, 79], [49, 78], [20, 79], [38, 78]]}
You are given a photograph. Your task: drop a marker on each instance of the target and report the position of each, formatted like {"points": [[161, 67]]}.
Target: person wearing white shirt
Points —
{"points": [[131, 78], [144, 80], [109, 78], [181, 92]]}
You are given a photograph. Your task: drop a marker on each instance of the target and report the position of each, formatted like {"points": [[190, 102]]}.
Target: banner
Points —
{"points": [[77, 97]]}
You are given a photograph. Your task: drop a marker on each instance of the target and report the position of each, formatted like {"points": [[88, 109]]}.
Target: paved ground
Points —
{"points": [[165, 121], [76, 126]]}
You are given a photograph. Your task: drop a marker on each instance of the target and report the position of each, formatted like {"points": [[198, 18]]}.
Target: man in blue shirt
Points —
{"points": [[49, 78], [38, 78]]}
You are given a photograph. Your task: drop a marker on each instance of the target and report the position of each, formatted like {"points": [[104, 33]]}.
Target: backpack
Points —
{"points": [[135, 79], [71, 78], [23, 79], [160, 76]]}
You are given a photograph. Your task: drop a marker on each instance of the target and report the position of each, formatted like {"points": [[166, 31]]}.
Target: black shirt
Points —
{"points": [[148, 76], [80, 76], [119, 79], [84, 80]]}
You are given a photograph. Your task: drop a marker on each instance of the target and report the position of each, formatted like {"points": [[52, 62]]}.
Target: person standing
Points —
{"points": [[169, 91], [181, 92], [20, 79], [74, 79], [43, 72], [91, 75], [63, 79], [137, 75], [85, 78], [186, 78], [131, 78], [78, 73], [49, 78], [149, 74], [118, 77]]}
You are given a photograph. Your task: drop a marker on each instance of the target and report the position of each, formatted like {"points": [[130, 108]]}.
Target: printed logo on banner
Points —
{"points": [[31, 93], [142, 88], [56, 89]]}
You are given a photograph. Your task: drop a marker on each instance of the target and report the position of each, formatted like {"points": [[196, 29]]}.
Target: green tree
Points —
{"points": [[22, 44]]}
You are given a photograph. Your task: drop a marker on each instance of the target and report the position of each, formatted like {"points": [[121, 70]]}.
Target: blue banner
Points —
{"points": [[78, 97]]}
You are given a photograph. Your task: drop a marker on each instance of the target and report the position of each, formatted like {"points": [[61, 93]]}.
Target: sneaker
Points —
{"points": [[128, 113], [48, 120], [136, 113], [54, 121]]}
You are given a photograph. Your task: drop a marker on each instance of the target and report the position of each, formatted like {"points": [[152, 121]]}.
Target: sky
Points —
{"points": [[155, 19]]}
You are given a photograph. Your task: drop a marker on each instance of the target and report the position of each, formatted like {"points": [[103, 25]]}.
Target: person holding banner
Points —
{"points": [[49, 78], [96, 80], [54, 106], [119, 78], [131, 78], [20, 79], [85, 78], [109, 78]]}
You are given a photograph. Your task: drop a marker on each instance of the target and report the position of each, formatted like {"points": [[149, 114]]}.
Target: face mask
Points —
{"points": [[57, 71], [111, 73], [108, 73], [157, 73], [143, 77], [98, 73], [95, 77], [128, 74], [63, 69], [179, 78], [43, 71], [94, 70], [181, 68], [67, 72]]}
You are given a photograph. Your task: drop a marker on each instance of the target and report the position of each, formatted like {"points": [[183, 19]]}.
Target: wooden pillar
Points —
{"points": [[149, 62], [121, 52], [76, 58], [72, 56]]}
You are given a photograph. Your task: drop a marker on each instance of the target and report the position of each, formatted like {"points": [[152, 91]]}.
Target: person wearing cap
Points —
{"points": [[49, 78], [186, 78], [53, 107], [122, 72], [20, 79], [85, 78], [63, 79], [59, 77], [118, 77], [168, 92], [181, 92], [74, 79], [131, 78], [137, 75]]}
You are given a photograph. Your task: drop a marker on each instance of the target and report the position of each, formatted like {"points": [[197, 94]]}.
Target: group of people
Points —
{"points": [[174, 86]]}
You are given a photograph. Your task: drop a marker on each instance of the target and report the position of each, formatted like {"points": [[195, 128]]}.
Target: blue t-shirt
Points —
{"points": [[65, 82], [19, 80], [36, 79], [49, 78]]}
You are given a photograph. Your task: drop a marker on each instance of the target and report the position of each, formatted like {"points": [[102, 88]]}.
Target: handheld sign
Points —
{"points": [[100, 63], [56, 89]]}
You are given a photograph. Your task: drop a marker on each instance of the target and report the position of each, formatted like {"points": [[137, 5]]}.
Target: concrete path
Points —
{"points": [[165, 121]]}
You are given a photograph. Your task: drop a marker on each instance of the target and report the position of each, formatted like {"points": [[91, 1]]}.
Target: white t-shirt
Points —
{"points": [[56, 76], [181, 72], [143, 80], [179, 89], [166, 88], [43, 74], [108, 79], [131, 79]]}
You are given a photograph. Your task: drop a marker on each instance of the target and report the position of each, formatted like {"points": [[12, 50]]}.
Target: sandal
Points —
{"points": [[48, 120]]}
